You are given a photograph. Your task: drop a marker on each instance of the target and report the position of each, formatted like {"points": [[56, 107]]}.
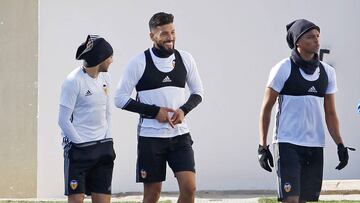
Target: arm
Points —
{"points": [[150, 111], [269, 100], [264, 154], [332, 123], [66, 126], [331, 118], [68, 98], [108, 108], [146, 110], [191, 103], [123, 100], [180, 113], [130, 78], [278, 75], [194, 83], [108, 119], [277, 78]]}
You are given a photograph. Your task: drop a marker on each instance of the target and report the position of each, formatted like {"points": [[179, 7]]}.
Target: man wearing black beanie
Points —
{"points": [[84, 119], [304, 87]]}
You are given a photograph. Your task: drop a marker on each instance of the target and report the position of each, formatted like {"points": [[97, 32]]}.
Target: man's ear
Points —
{"points": [[151, 36]]}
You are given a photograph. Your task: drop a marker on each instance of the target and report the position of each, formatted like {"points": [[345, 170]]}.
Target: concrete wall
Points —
{"points": [[18, 100], [235, 43]]}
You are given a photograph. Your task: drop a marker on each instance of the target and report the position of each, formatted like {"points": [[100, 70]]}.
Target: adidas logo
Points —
{"points": [[312, 89], [166, 79], [88, 93]]}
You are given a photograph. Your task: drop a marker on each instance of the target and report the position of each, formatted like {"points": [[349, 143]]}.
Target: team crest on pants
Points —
{"points": [[143, 174], [73, 184], [287, 187]]}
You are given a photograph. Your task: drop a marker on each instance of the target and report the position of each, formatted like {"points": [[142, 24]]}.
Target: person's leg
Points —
{"points": [[187, 186], [151, 160], [76, 198], [98, 180], [312, 174], [152, 192], [74, 175], [288, 168], [291, 199], [181, 161], [151, 166], [100, 198]]}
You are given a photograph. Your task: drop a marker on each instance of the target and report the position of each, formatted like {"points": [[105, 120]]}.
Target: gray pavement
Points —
{"points": [[331, 190], [240, 199]]}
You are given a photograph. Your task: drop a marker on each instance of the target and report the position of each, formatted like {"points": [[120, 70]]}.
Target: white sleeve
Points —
{"points": [[69, 93], [278, 75], [66, 126], [332, 85], [108, 104], [131, 75], [108, 118], [193, 79]]}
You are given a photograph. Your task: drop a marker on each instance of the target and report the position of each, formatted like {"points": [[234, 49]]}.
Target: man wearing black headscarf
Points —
{"points": [[304, 87], [84, 118]]}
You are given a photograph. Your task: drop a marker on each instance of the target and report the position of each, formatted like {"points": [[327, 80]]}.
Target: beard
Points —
{"points": [[166, 51]]}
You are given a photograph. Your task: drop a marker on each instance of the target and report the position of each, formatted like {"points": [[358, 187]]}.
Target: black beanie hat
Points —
{"points": [[296, 29], [94, 50]]}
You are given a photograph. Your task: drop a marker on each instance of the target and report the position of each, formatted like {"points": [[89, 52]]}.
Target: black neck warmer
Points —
{"points": [[308, 67], [162, 52]]}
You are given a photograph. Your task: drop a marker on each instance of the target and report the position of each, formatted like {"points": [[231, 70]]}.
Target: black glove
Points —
{"points": [[343, 156], [265, 158]]}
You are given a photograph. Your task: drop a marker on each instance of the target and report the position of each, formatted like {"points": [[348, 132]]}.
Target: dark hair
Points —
{"points": [[159, 19]]}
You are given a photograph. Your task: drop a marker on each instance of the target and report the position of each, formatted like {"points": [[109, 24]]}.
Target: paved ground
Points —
{"points": [[238, 199], [331, 190], [244, 199]]}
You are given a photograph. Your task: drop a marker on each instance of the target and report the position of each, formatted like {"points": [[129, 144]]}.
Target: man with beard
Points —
{"points": [[304, 87], [84, 119], [159, 75]]}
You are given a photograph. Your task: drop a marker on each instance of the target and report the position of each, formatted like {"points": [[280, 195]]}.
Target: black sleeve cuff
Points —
{"points": [[191, 103], [145, 110]]}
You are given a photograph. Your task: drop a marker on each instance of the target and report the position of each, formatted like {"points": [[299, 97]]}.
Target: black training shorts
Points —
{"points": [[299, 171], [153, 153], [88, 167]]}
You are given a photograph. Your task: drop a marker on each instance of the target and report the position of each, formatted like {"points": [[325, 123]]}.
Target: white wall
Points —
{"points": [[235, 43]]}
